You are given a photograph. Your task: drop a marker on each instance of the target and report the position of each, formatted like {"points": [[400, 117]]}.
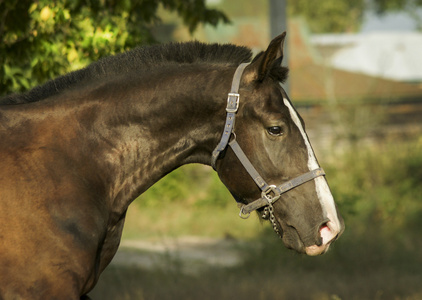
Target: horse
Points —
{"points": [[77, 150]]}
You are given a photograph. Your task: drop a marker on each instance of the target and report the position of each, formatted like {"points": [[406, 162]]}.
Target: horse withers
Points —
{"points": [[76, 151]]}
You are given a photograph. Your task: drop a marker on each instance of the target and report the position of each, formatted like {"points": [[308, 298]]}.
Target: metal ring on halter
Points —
{"points": [[242, 215], [266, 194]]}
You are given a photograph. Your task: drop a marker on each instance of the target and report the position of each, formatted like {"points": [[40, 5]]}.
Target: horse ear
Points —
{"points": [[263, 63]]}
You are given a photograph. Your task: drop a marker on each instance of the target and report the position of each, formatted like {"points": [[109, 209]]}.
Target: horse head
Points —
{"points": [[270, 165]]}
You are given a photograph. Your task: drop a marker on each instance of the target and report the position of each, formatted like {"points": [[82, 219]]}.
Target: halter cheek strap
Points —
{"points": [[231, 109], [269, 193]]}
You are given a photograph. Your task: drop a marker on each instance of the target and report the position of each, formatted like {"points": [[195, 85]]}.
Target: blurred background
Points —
{"points": [[356, 79]]}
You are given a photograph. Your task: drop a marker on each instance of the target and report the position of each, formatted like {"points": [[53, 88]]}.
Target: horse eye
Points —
{"points": [[275, 130]]}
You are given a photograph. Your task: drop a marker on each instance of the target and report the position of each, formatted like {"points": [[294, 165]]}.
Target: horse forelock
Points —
{"points": [[141, 58]]}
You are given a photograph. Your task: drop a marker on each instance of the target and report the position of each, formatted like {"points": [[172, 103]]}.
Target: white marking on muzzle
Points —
{"points": [[323, 191]]}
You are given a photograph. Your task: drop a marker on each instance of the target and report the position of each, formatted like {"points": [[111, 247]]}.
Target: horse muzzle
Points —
{"points": [[328, 232]]}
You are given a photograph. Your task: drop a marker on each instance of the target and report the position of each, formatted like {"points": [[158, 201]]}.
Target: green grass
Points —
{"points": [[378, 190]]}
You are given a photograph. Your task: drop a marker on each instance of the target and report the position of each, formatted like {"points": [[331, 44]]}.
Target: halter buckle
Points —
{"points": [[232, 103], [270, 194]]}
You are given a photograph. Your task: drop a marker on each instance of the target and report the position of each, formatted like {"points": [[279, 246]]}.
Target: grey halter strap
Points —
{"points": [[231, 109], [269, 193]]}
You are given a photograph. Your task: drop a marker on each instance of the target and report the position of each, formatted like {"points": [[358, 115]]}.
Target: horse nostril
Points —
{"points": [[329, 232], [326, 233]]}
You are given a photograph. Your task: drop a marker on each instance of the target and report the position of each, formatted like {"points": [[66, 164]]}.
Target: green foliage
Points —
{"points": [[382, 6], [190, 185], [380, 190], [42, 39], [329, 16]]}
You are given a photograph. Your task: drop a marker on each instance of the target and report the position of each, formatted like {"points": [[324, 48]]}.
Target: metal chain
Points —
{"points": [[266, 213], [269, 215]]}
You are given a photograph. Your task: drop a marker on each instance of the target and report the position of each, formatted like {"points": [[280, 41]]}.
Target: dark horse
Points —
{"points": [[76, 151]]}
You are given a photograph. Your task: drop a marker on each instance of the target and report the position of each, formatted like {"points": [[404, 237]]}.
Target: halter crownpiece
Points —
{"points": [[269, 193]]}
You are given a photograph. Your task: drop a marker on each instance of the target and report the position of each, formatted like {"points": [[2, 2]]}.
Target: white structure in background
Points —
{"points": [[391, 55]]}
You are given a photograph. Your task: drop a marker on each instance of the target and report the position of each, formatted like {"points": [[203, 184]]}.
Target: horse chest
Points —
{"points": [[110, 244]]}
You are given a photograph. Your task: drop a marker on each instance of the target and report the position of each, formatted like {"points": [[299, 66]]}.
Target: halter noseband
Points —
{"points": [[269, 193]]}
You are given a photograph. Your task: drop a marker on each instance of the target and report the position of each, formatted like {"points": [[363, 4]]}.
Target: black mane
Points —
{"points": [[145, 58]]}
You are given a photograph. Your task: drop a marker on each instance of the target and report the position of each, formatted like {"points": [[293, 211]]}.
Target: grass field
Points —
{"points": [[379, 192]]}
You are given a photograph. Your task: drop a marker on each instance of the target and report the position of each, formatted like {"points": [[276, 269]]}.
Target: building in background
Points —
{"points": [[386, 54]]}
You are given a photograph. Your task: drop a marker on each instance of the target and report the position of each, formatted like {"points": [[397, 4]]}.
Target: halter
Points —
{"points": [[269, 193]]}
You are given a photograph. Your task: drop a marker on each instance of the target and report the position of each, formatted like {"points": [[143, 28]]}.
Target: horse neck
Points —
{"points": [[168, 120]]}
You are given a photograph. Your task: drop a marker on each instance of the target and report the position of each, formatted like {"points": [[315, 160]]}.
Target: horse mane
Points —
{"points": [[144, 58]]}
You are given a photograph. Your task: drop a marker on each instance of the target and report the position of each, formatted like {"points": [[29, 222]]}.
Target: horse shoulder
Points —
{"points": [[51, 228]]}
